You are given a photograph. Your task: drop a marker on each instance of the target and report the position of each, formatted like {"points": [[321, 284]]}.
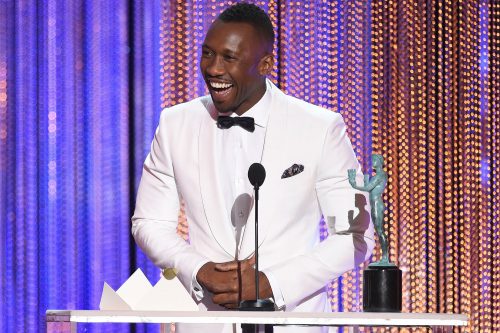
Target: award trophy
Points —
{"points": [[382, 285]]}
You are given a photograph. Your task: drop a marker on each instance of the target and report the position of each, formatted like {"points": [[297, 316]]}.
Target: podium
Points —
{"points": [[65, 321]]}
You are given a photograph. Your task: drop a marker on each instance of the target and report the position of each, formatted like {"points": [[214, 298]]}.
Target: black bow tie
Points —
{"points": [[225, 122]]}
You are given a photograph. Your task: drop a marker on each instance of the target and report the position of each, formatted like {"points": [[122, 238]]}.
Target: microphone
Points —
{"points": [[256, 174]]}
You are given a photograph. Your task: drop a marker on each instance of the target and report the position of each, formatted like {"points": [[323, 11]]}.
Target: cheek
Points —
{"points": [[203, 65], [246, 77]]}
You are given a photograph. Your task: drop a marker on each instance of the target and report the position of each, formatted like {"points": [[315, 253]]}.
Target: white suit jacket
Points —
{"points": [[182, 164]]}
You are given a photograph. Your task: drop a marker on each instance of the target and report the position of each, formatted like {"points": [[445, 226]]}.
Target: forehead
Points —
{"points": [[233, 36]]}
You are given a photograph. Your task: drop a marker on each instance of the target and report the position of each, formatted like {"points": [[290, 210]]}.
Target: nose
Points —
{"points": [[215, 66]]}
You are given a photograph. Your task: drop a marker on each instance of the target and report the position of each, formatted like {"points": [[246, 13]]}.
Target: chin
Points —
{"points": [[223, 107]]}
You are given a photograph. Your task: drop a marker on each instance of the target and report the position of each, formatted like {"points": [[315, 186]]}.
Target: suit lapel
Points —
{"points": [[272, 160], [211, 193]]}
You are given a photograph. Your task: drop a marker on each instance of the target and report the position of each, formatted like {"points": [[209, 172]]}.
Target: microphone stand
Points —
{"points": [[257, 304]]}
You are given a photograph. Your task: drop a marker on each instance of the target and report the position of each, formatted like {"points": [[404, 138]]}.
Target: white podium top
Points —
{"points": [[256, 317]]}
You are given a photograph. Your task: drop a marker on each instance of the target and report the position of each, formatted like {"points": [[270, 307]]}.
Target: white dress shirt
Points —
{"points": [[237, 149]]}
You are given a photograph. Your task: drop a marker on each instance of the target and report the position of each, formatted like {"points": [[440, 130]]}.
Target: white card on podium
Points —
{"points": [[110, 300], [134, 289], [167, 295], [138, 294]]}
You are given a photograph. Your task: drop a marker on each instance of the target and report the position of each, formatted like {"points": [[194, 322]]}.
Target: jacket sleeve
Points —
{"points": [[346, 212], [154, 224]]}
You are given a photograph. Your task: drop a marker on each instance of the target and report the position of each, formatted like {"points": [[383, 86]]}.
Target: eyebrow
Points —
{"points": [[226, 50], [231, 52]]}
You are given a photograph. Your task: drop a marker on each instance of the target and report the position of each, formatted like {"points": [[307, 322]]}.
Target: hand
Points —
{"points": [[232, 282], [351, 173], [246, 273], [366, 179], [216, 281]]}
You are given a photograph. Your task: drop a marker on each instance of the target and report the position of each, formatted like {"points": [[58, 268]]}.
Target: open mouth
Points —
{"points": [[220, 89]]}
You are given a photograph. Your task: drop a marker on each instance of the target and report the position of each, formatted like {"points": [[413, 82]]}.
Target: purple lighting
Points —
{"points": [[64, 133], [82, 85]]}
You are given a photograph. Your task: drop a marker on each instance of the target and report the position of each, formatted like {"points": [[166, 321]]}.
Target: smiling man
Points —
{"points": [[201, 153], [236, 57]]}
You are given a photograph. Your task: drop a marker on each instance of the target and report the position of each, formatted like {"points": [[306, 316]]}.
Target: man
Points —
{"points": [[197, 155]]}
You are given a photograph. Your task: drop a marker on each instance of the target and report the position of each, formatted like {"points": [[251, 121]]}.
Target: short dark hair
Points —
{"points": [[252, 14]]}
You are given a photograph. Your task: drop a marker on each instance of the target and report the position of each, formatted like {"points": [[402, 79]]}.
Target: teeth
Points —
{"points": [[218, 85]]}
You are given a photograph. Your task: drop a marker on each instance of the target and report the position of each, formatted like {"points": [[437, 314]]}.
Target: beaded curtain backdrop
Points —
{"points": [[82, 84]]}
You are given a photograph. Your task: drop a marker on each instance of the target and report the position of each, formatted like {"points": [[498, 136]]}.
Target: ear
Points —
{"points": [[266, 64]]}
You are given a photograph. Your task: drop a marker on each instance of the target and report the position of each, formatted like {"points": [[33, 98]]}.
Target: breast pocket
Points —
{"points": [[296, 186]]}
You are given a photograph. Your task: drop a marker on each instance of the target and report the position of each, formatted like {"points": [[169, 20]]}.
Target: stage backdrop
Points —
{"points": [[82, 84]]}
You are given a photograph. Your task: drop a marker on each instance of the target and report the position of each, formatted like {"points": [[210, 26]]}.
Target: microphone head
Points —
{"points": [[256, 174]]}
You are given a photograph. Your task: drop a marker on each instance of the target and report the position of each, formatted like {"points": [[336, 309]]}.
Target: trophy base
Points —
{"points": [[257, 305], [382, 289]]}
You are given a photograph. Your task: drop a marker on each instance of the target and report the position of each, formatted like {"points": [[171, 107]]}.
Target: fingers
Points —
{"points": [[228, 279], [251, 260], [227, 300], [225, 284], [227, 266], [234, 265], [248, 264], [217, 281]]}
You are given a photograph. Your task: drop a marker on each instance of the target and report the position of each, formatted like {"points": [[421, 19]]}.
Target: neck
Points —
{"points": [[257, 96]]}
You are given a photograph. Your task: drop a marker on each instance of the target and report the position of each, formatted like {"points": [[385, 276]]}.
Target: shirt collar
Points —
{"points": [[260, 111]]}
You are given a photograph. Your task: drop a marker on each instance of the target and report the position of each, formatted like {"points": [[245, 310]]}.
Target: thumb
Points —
{"points": [[226, 266], [248, 263]]}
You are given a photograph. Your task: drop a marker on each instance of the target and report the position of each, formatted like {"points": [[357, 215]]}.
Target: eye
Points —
{"points": [[207, 53], [228, 57]]}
